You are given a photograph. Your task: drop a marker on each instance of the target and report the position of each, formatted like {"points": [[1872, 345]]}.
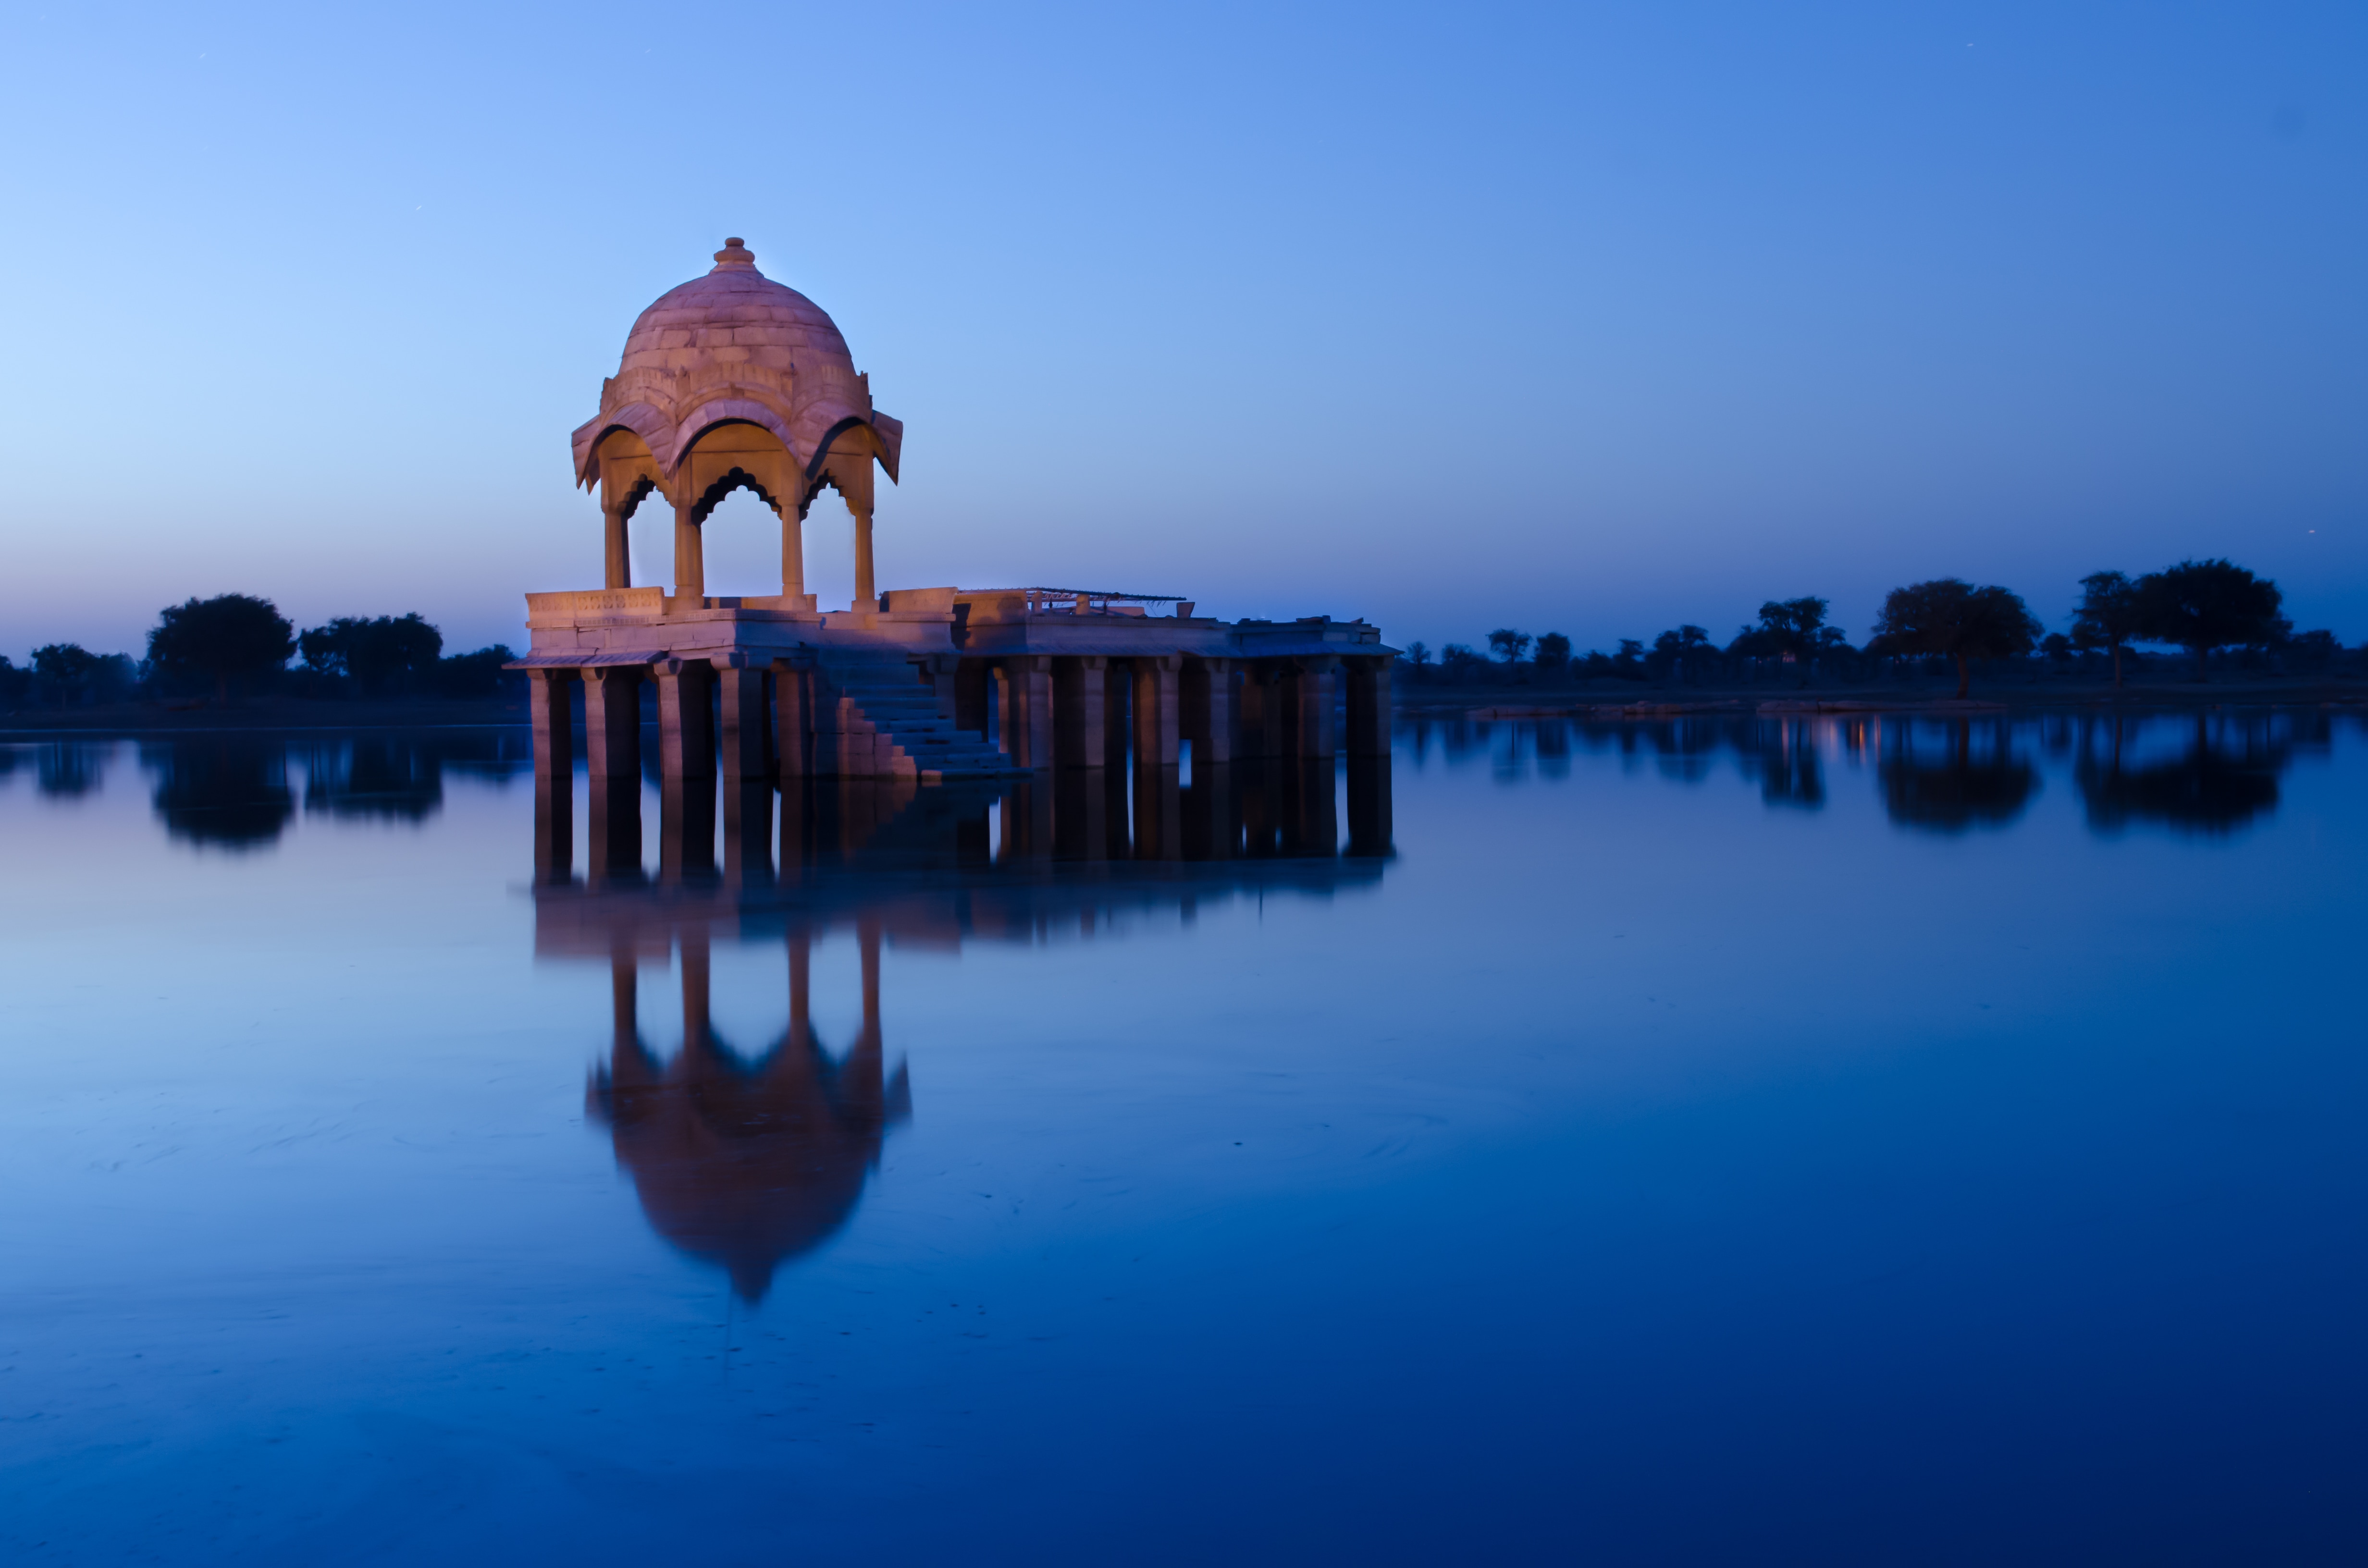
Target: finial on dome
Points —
{"points": [[735, 254]]}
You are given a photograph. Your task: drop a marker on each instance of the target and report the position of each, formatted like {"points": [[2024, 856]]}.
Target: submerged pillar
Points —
{"points": [[1025, 695], [1207, 690], [1369, 823], [748, 831], [1156, 715], [1079, 711], [1315, 691], [971, 699], [792, 719], [740, 691], [1260, 699], [1369, 705], [686, 731], [549, 693]]}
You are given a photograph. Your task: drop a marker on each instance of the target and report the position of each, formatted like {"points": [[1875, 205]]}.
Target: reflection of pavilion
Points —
{"points": [[746, 1165]]}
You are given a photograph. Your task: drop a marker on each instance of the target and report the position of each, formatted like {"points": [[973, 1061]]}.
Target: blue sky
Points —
{"points": [[1588, 318]]}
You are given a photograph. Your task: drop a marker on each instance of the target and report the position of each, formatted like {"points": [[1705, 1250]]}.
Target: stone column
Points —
{"points": [[686, 733], [1156, 742], [971, 681], [1318, 690], [794, 550], [1208, 716], [740, 690], [1369, 705], [618, 572], [792, 719], [867, 596], [747, 832], [1078, 711], [1024, 695], [1260, 700], [686, 827], [1158, 813], [690, 559], [612, 722], [548, 694]]}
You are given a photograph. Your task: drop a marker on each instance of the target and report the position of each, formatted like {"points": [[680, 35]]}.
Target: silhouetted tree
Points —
{"points": [[1508, 645], [2313, 650], [229, 636], [2202, 605], [391, 652], [478, 674], [2107, 616], [65, 669], [1457, 660], [1955, 620], [1629, 663], [1553, 654], [14, 682], [1789, 626], [1687, 642], [2057, 647], [1417, 658]]}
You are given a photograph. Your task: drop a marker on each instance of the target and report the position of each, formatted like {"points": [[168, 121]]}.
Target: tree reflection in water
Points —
{"points": [[1972, 779], [221, 791], [232, 791], [2224, 776]]}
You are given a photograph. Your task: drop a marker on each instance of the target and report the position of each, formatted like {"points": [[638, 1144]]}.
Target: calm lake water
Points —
{"points": [[1727, 1142]]}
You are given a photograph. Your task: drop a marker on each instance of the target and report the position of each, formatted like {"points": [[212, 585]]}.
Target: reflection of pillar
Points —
{"points": [[690, 562], [1207, 689], [554, 772], [867, 938], [866, 595], [748, 831], [794, 550], [1256, 787], [969, 696], [1158, 814], [1369, 705], [1311, 821], [1370, 827], [624, 1026], [685, 737], [618, 566], [694, 986], [1208, 805], [801, 942], [1155, 711], [740, 707], [1078, 711], [1081, 814], [1026, 811]]}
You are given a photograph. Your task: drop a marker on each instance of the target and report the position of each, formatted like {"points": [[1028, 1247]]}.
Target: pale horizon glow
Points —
{"points": [[1596, 322]]}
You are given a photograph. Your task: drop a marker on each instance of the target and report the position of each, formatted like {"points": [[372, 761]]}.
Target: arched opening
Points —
{"points": [[830, 551], [742, 537]]}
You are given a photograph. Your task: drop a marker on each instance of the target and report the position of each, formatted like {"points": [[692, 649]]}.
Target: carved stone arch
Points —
{"points": [[724, 455]]}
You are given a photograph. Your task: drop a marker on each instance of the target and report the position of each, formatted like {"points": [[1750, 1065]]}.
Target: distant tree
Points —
{"points": [[1508, 645], [1629, 663], [2202, 605], [2312, 651], [1457, 660], [226, 637], [1553, 656], [1954, 621], [1417, 654], [2107, 616], [1685, 642], [66, 669], [2057, 647], [388, 652], [14, 681], [478, 674]]}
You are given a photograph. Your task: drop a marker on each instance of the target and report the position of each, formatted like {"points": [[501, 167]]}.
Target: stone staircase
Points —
{"points": [[875, 719]]}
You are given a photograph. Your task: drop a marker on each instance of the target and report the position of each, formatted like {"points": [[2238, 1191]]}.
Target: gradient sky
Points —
{"points": [[1588, 318]]}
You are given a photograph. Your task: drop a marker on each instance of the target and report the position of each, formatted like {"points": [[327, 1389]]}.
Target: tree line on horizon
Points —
{"points": [[2201, 607], [240, 644]]}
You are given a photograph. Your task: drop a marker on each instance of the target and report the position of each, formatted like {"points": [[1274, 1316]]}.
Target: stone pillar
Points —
{"points": [[619, 568], [740, 708], [1024, 695], [686, 732], [794, 550], [867, 596], [1079, 710], [1317, 693], [1158, 812], [612, 722], [1117, 692], [548, 695], [686, 827], [1260, 703], [1208, 716], [690, 559], [1155, 711], [792, 719], [1369, 705], [971, 703]]}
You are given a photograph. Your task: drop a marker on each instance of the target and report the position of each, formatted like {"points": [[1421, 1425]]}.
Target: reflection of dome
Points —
{"points": [[736, 344], [747, 1166]]}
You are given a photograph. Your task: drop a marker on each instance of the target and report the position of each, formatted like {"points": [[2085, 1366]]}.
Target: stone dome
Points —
{"points": [[735, 346]]}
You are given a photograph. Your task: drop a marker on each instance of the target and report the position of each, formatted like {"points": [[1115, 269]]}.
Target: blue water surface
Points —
{"points": [[1848, 1140]]}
